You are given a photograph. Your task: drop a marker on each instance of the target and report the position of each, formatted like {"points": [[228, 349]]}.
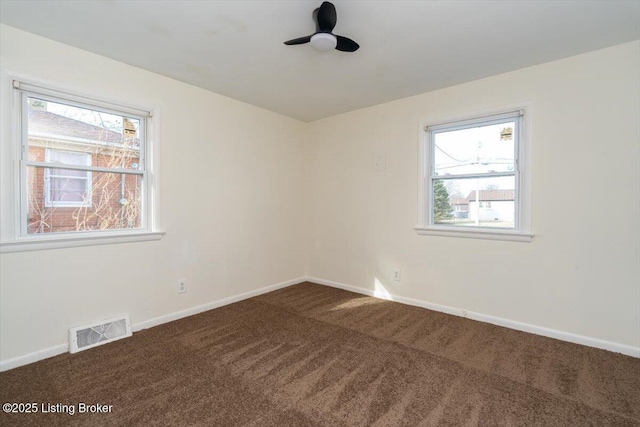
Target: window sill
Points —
{"points": [[506, 235], [37, 243]]}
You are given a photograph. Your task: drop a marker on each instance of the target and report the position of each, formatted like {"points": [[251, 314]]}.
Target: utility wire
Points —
{"points": [[449, 155], [471, 164]]}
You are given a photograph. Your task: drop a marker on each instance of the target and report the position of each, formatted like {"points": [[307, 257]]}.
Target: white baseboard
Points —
{"points": [[211, 305], [15, 362], [513, 324]]}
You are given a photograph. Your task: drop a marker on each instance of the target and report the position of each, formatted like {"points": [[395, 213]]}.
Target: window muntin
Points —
{"points": [[83, 166], [472, 174]]}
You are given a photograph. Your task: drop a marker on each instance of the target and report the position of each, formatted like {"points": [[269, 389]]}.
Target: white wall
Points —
{"points": [[581, 272], [261, 218], [233, 191]]}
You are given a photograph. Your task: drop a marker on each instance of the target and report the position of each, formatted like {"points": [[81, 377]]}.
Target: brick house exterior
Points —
{"points": [[113, 199]]}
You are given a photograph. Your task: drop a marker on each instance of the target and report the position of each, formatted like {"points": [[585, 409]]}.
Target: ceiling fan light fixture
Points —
{"points": [[324, 42], [323, 39]]}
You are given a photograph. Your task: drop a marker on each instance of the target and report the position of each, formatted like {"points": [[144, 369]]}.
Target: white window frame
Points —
{"points": [[426, 175], [48, 176], [18, 240]]}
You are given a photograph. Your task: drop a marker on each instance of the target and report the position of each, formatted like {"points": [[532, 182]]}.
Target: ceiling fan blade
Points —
{"points": [[326, 17], [346, 44], [299, 40], [315, 19]]}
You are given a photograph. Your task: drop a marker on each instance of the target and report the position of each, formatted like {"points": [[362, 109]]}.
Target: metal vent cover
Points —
{"points": [[88, 336]]}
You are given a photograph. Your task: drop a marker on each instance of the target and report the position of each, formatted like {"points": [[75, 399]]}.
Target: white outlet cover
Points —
{"points": [[380, 163], [397, 275], [181, 286]]}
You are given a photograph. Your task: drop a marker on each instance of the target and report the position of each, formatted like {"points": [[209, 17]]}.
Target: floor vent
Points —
{"points": [[105, 331]]}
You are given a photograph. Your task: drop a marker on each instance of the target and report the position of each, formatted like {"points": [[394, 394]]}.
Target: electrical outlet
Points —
{"points": [[397, 275], [181, 286], [380, 164]]}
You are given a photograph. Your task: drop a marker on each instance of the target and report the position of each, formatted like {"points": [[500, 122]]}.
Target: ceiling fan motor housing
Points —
{"points": [[324, 41]]}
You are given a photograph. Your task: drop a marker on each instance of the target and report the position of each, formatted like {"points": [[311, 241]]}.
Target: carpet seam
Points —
{"points": [[404, 346]]}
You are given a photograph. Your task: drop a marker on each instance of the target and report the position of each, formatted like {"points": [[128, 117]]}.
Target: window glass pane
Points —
{"points": [[113, 202], [112, 140], [69, 157], [68, 190], [481, 149], [475, 202], [67, 186]]}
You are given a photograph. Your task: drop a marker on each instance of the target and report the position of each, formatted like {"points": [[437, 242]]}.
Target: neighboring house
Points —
{"points": [[492, 205], [69, 200], [460, 207]]}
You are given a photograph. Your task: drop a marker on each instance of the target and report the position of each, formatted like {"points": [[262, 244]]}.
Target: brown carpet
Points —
{"points": [[310, 355]]}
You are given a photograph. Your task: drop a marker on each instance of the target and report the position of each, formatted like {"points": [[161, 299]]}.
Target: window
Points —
{"points": [[64, 187], [84, 171], [473, 176]]}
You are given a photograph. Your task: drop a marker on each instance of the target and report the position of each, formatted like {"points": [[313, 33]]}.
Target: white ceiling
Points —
{"points": [[235, 48]]}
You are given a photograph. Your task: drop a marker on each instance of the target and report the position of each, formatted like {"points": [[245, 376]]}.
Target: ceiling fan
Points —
{"points": [[323, 39]]}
